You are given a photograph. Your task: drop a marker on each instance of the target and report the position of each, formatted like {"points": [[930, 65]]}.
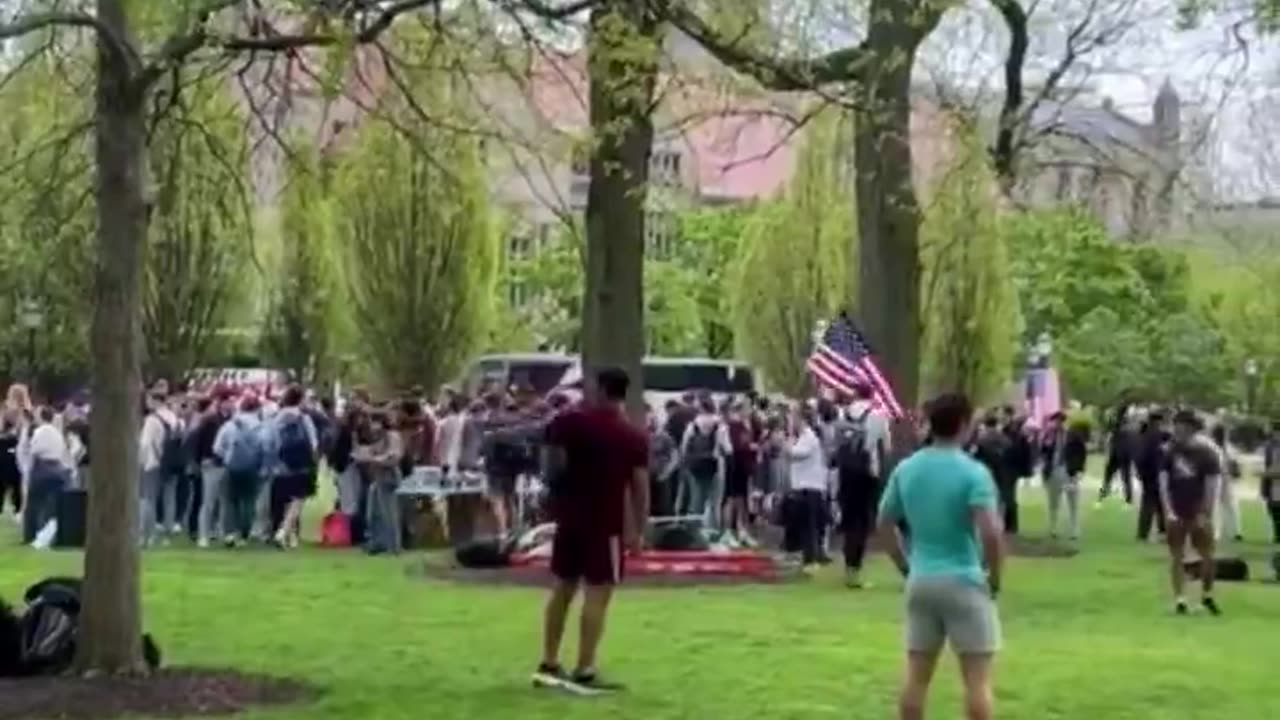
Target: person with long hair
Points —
{"points": [[379, 458], [49, 475]]}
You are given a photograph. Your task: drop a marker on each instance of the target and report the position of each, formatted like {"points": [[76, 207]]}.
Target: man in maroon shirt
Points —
{"points": [[597, 468]]}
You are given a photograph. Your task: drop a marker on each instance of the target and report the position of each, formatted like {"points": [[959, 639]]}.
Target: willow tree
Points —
{"points": [[200, 224], [421, 254], [306, 310], [796, 264], [969, 302]]}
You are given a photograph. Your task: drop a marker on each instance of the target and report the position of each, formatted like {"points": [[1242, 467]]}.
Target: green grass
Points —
{"points": [[1087, 637]]}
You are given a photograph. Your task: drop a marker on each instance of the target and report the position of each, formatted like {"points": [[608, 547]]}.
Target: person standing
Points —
{"points": [[807, 494], [10, 471], [379, 461], [213, 517], [1270, 488], [704, 449], [991, 448], [598, 464], [1226, 504], [860, 450], [159, 456], [739, 471], [1120, 455], [1064, 452], [239, 445], [1019, 463], [49, 476], [294, 444], [1151, 458], [956, 560], [1189, 487]]}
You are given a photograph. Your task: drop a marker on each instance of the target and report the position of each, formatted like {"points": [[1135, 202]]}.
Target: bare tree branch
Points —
{"points": [[777, 73], [365, 35], [35, 22]]}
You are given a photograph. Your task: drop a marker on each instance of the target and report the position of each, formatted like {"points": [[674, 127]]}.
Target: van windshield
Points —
{"points": [[720, 379]]}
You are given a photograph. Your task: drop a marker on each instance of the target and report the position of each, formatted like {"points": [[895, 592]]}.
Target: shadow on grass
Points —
{"points": [[171, 693]]}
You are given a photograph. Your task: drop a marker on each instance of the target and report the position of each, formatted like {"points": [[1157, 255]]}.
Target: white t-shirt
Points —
{"points": [[808, 461]]}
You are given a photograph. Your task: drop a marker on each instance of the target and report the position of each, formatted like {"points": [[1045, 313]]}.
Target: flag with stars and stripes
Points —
{"points": [[842, 359]]}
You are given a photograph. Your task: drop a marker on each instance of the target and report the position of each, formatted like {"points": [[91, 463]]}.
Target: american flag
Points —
{"points": [[1043, 395], [842, 360]]}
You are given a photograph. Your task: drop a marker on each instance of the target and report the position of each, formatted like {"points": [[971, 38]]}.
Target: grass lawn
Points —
{"points": [[1086, 637]]}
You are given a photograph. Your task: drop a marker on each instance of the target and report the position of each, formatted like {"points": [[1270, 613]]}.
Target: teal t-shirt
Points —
{"points": [[935, 491]]}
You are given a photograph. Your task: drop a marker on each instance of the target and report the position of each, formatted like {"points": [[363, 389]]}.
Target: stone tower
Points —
{"points": [[1168, 116]]}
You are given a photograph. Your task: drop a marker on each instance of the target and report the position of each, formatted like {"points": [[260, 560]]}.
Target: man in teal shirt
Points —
{"points": [[949, 503]]}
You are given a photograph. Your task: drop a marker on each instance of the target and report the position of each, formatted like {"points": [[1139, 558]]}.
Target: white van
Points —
{"points": [[665, 378]]}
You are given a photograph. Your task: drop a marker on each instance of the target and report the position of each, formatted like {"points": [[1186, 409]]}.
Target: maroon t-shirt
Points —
{"points": [[602, 451]]}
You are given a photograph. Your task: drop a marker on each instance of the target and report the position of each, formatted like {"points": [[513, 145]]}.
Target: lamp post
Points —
{"points": [[1250, 385], [31, 317]]}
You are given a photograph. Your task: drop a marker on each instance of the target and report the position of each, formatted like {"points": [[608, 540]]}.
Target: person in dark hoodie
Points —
{"points": [[1152, 442], [213, 515], [1120, 452], [1064, 452], [1019, 461], [991, 448]]}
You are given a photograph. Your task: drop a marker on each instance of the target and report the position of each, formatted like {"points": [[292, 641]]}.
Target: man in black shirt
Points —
{"points": [[1188, 485], [1120, 442]]}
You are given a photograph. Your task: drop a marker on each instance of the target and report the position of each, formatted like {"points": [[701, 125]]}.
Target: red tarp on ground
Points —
{"points": [[674, 562]]}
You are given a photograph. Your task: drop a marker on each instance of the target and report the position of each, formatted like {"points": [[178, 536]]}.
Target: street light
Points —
{"points": [[31, 317], [1251, 384]]}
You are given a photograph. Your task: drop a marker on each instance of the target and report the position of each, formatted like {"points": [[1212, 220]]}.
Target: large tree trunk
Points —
{"points": [[111, 623], [888, 211], [622, 71]]}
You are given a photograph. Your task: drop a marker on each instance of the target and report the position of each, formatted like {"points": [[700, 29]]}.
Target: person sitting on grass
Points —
{"points": [[948, 499]]}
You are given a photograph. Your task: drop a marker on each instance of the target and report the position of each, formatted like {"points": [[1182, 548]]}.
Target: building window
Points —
{"points": [[1063, 191], [518, 294], [665, 167], [659, 234], [521, 246]]}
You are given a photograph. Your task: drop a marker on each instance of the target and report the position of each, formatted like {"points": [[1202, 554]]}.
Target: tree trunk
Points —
{"points": [[111, 623], [622, 71], [888, 211]]}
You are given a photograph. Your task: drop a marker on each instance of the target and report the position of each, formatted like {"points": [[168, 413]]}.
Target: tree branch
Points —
{"points": [[1015, 18], [35, 22], [365, 35], [776, 73], [549, 11]]}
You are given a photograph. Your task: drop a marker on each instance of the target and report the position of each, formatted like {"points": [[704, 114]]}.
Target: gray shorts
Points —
{"points": [[946, 608]]}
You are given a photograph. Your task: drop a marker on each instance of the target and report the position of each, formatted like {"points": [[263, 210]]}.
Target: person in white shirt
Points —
{"points": [[806, 520], [49, 474], [449, 434], [159, 431], [704, 450]]}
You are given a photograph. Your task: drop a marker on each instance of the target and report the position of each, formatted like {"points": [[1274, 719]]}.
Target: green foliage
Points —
{"points": [[1125, 319], [200, 229], [969, 305], [796, 260], [46, 215], [709, 249], [303, 324], [421, 251], [548, 282]]}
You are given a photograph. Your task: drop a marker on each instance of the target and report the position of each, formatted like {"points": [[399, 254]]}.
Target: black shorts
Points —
{"points": [[296, 486], [502, 484], [737, 483], [587, 557]]}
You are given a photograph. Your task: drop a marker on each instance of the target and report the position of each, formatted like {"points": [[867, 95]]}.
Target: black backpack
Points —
{"points": [[700, 454], [850, 454], [484, 553], [173, 449]]}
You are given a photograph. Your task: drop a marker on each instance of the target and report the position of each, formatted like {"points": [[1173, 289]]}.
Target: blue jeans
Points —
{"points": [[149, 495], [48, 480], [242, 502], [383, 516]]}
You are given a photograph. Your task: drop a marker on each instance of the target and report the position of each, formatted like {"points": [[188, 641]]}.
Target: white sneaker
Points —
{"points": [[203, 543], [177, 529]]}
